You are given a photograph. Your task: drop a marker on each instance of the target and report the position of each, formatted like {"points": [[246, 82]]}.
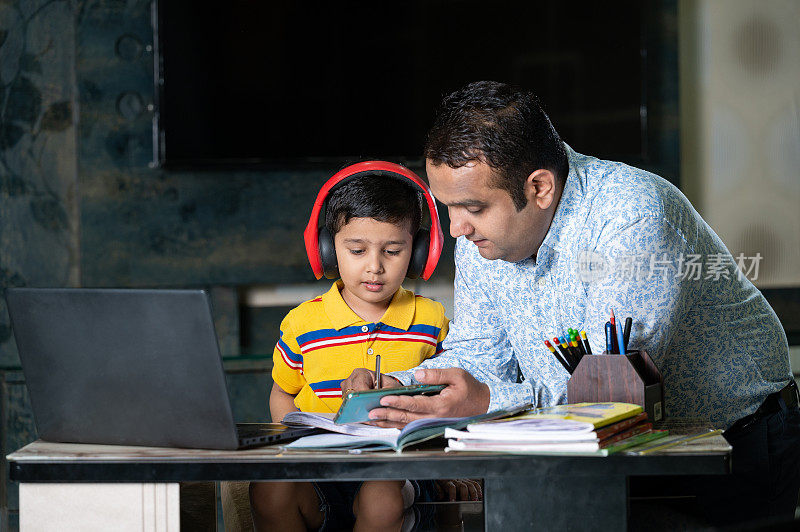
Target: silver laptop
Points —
{"points": [[128, 367]]}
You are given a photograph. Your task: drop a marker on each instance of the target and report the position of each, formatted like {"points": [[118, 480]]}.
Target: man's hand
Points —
{"points": [[364, 379], [464, 396]]}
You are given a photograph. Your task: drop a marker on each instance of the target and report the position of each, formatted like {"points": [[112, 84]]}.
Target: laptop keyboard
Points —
{"points": [[251, 430]]}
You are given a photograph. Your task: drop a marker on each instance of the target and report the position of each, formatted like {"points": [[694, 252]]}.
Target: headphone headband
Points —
{"points": [[311, 233]]}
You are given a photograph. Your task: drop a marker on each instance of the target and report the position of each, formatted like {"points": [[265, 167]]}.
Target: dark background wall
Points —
{"points": [[82, 204], [39, 214]]}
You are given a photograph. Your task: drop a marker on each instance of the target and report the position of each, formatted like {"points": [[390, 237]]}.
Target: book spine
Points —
{"points": [[619, 426], [642, 428]]}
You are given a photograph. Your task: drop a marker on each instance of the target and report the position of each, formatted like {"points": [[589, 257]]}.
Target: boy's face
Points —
{"points": [[373, 259]]}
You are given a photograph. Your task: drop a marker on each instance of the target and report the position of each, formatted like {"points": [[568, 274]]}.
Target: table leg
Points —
{"points": [[112, 506], [556, 503]]}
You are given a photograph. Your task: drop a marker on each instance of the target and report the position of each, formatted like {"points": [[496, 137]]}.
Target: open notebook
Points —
{"points": [[369, 437]]}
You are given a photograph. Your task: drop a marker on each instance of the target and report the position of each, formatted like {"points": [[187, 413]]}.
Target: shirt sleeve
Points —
{"points": [[643, 276], [443, 330], [287, 360], [476, 341]]}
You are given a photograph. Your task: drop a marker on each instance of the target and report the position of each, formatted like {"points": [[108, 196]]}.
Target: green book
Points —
{"points": [[598, 414], [635, 440]]}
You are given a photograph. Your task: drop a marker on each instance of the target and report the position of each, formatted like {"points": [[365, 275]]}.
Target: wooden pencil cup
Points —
{"points": [[629, 378]]}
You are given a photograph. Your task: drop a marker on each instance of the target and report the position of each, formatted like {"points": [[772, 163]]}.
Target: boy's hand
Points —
{"points": [[364, 379]]}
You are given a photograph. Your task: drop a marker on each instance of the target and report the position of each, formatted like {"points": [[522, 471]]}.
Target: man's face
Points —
{"points": [[486, 215]]}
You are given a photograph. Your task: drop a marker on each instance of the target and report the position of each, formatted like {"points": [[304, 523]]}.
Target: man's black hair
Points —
{"points": [[379, 197], [501, 125]]}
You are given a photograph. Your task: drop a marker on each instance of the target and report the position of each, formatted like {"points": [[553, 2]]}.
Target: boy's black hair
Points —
{"points": [[368, 196], [501, 125]]}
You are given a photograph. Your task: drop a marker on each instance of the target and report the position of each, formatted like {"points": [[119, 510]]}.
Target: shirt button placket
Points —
{"points": [[369, 342]]}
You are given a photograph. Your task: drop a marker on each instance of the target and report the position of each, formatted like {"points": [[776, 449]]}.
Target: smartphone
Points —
{"points": [[356, 405]]}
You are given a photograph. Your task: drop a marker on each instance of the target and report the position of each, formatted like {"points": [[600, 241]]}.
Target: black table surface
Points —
{"points": [[43, 461]]}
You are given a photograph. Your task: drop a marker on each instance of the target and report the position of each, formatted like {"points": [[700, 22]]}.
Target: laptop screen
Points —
{"points": [[127, 367]]}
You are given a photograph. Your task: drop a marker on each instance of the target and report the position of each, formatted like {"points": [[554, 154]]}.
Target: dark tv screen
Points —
{"points": [[254, 81]]}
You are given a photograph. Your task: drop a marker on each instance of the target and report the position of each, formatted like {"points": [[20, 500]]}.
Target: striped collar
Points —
{"points": [[399, 314]]}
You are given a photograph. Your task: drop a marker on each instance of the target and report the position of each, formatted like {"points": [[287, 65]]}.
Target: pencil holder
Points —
{"points": [[629, 378]]}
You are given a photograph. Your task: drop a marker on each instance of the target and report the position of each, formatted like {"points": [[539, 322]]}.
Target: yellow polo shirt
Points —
{"points": [[322, 341]]}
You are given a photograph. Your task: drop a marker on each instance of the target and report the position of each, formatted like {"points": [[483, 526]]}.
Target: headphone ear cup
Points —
{"points": [[419, 253], [327, 254]]}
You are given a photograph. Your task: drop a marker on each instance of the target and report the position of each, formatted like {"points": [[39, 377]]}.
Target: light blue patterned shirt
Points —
{"points": [[628, 240]]}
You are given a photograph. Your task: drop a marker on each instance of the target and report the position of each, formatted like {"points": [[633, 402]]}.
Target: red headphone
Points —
{"points": [[427, 245]]}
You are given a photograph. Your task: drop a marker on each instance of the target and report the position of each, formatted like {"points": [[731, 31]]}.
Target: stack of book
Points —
{"points": [[581, 428]]}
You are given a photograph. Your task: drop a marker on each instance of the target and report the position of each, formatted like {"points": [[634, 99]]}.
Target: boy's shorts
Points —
{"points": [[336, 503]]}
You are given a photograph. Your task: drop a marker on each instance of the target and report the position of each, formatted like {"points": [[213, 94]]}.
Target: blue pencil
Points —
{"points": [[620, 339]]}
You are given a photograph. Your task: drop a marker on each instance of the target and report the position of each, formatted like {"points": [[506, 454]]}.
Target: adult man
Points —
{"points": [[550, 239]]}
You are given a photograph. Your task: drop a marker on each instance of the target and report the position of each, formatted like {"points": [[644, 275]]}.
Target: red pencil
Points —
{"points": [[559, 353]]}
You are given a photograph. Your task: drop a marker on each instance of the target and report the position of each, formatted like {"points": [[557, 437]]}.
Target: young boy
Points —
{"points": [[373, 219]]}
